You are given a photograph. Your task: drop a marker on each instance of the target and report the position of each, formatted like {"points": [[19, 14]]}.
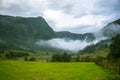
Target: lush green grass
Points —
{"points": [[15, 70]]}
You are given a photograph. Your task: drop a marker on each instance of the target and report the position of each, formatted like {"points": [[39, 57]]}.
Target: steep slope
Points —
{"points": [[91, 49], [23, 33], [19, 27], [111, 29], [19, 32]]}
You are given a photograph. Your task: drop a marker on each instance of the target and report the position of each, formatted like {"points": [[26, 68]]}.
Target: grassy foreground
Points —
{"points": [[15, 70]]}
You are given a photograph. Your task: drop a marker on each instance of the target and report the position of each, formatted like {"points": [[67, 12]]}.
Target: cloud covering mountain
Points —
{"points": [[66, 44]]}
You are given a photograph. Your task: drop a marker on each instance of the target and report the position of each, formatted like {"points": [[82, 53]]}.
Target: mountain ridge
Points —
{"points": [[66, 34], [23, 33]]}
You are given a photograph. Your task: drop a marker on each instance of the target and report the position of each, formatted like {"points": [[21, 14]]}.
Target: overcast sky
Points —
{"points": [[79, 16]]}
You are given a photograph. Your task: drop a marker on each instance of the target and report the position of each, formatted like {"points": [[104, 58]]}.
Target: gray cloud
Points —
{"points": [[72, 15], [107, 7]]}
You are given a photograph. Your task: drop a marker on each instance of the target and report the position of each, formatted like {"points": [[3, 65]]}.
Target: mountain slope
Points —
{"points": [[111, 29], [19, 27], [22, 33], [19, 32], [65, 34]]}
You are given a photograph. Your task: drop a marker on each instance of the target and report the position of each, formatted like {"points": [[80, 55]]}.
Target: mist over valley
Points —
{"points": [[35, 33]]}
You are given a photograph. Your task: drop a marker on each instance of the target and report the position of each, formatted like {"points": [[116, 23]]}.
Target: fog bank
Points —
{"points": [[67, 44]]}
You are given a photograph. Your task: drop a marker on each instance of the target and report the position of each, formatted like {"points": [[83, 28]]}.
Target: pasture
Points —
{"points": [[18, 70]]}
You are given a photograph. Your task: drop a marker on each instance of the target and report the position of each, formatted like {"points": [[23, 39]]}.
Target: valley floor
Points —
{"points": [[16, 70]]}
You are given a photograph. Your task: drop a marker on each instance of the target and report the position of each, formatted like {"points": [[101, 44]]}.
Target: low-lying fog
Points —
{"points": [[67, 44]]}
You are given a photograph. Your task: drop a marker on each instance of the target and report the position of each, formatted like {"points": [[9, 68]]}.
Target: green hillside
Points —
{"points": [[22, 33]]}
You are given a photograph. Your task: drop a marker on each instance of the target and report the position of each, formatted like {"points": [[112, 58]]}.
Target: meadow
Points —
{"points": [[18, 70]]}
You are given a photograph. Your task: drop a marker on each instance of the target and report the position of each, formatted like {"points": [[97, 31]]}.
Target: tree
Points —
{"points": [[88, 49], [114, 54], [32, 59], [61, 57], [26, 58], [77, 58], [13, 54], [115, 47], [66, 57]]}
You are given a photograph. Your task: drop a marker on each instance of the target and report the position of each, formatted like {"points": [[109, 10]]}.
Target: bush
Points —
{"points": [[32, 59]]}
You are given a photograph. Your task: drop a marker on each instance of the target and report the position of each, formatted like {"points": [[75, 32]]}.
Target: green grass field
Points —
{"points": [[16, 70]]}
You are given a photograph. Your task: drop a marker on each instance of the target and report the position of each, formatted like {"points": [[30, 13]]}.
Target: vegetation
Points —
{"points": [[21, 33], [12, 54], [77, 59], [74, 36], [104, 44], [15, 70], [112, 29], [113, 59], [61, 57], [115, 47], [32, 59], [18, 43]]}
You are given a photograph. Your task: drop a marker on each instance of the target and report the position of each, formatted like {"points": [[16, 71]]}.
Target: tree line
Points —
{"points": [[61, 57], [113, 59]]}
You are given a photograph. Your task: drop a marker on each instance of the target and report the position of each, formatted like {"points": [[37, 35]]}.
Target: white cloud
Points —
{"points": [[65, 14], [23, 7], [64, 21], [72, 45]]}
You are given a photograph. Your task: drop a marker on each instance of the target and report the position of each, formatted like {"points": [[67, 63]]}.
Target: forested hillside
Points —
{"points": [[22, 33]]}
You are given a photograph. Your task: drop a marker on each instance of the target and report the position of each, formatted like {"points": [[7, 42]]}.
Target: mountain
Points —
{"points": [[21, 33], [89, 37], [111, 29], [19, 27], [91, 49]]}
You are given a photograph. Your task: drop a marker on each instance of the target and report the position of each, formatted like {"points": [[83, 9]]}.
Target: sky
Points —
{"points": [[78, 16]]}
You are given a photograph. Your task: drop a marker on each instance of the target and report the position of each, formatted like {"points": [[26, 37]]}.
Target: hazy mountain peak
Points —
{"points": [[112, 29], [23, 33]]}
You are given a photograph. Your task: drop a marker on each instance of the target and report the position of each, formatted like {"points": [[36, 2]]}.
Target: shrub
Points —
{"points": [[32, 59]]}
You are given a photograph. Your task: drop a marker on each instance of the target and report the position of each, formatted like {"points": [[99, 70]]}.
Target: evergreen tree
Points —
{"points": [[32, 59], [115, 47], [114, 53], [26, 58], [61, 57], [77, 58]]}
